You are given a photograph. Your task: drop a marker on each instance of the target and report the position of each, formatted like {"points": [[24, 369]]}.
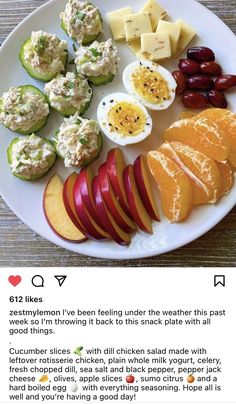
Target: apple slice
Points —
{"points": [[93, 230], [56, 214], [68, 198], [137, 208], [112, 203], [84, 182], [143, 183], [115, 168], [117, 234]]}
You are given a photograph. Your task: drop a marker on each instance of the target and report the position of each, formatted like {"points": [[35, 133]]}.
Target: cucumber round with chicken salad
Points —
{"points": [[69, 94], [79, 27], [19, 108], [30, 158], [41, 63], [88, 39], [98, 62], [90, 159], [78, 141]]}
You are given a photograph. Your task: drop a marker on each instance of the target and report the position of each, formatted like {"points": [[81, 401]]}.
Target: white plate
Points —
{"points": [[25, 199]]}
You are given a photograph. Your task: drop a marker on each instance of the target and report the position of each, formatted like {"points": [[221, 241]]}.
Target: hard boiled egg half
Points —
{"points": [[151, 84], [123, 119]]}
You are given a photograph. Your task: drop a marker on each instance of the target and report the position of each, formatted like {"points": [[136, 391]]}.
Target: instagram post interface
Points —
{"points": [[133, 338], [117, 201], [118, 123]]}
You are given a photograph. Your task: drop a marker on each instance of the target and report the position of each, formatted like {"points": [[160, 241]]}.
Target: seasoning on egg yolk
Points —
{"points": [[127, 119], [151, 85]]}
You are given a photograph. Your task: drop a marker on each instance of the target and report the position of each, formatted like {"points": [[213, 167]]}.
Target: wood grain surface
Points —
{"points": [[19, 246]]}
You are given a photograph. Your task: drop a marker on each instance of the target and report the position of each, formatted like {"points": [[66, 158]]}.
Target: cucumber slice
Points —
{"points": [[101, 80], [88, 39], [86, 106], [91, 159], [35, 129], [32, 71], [65, 30], [38, 125], [51, 161], [95, 157], [72, 110]]}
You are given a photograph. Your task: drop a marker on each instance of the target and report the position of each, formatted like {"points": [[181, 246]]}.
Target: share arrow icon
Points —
{"points": [[61, 279]]}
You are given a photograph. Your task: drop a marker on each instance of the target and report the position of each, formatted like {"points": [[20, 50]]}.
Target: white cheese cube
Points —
{"points": [[156, 46], [155, 11], [173, 30], [136, 25], [119, 13], [135, 46], [186, 35], [116, 22]]}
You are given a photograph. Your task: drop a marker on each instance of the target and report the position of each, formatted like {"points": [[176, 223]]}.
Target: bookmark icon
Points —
{"points": [[61, 279]]}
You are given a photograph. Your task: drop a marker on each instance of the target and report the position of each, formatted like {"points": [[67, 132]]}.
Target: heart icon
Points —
{"points": [[14, 280]]}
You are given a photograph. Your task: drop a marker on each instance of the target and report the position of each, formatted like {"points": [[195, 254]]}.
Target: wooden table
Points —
{"points": [[19, 246]]}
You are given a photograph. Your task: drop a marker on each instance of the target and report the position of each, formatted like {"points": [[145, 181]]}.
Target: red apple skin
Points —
{"points": [[93, 232], [108, 195], [113, 173], [103, 212], [140, 183], [49, 223], [130, 379], [84, 182], [69, 200], [134, 200]]}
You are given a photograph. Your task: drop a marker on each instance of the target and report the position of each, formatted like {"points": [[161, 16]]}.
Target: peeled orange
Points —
{"points": [[226, 121], [202, 134], [202, 171], [227, 176], [175, 187]]}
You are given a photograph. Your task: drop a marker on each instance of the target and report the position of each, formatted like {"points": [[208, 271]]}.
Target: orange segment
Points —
{"points": [[232, 159], [226, 120], [204, 168], [227, 176], [202, 134], [201, 194], [174, 185]]}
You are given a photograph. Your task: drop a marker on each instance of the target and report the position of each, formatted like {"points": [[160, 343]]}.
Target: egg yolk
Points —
{"points": [[151, 85], [127, 119]]}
